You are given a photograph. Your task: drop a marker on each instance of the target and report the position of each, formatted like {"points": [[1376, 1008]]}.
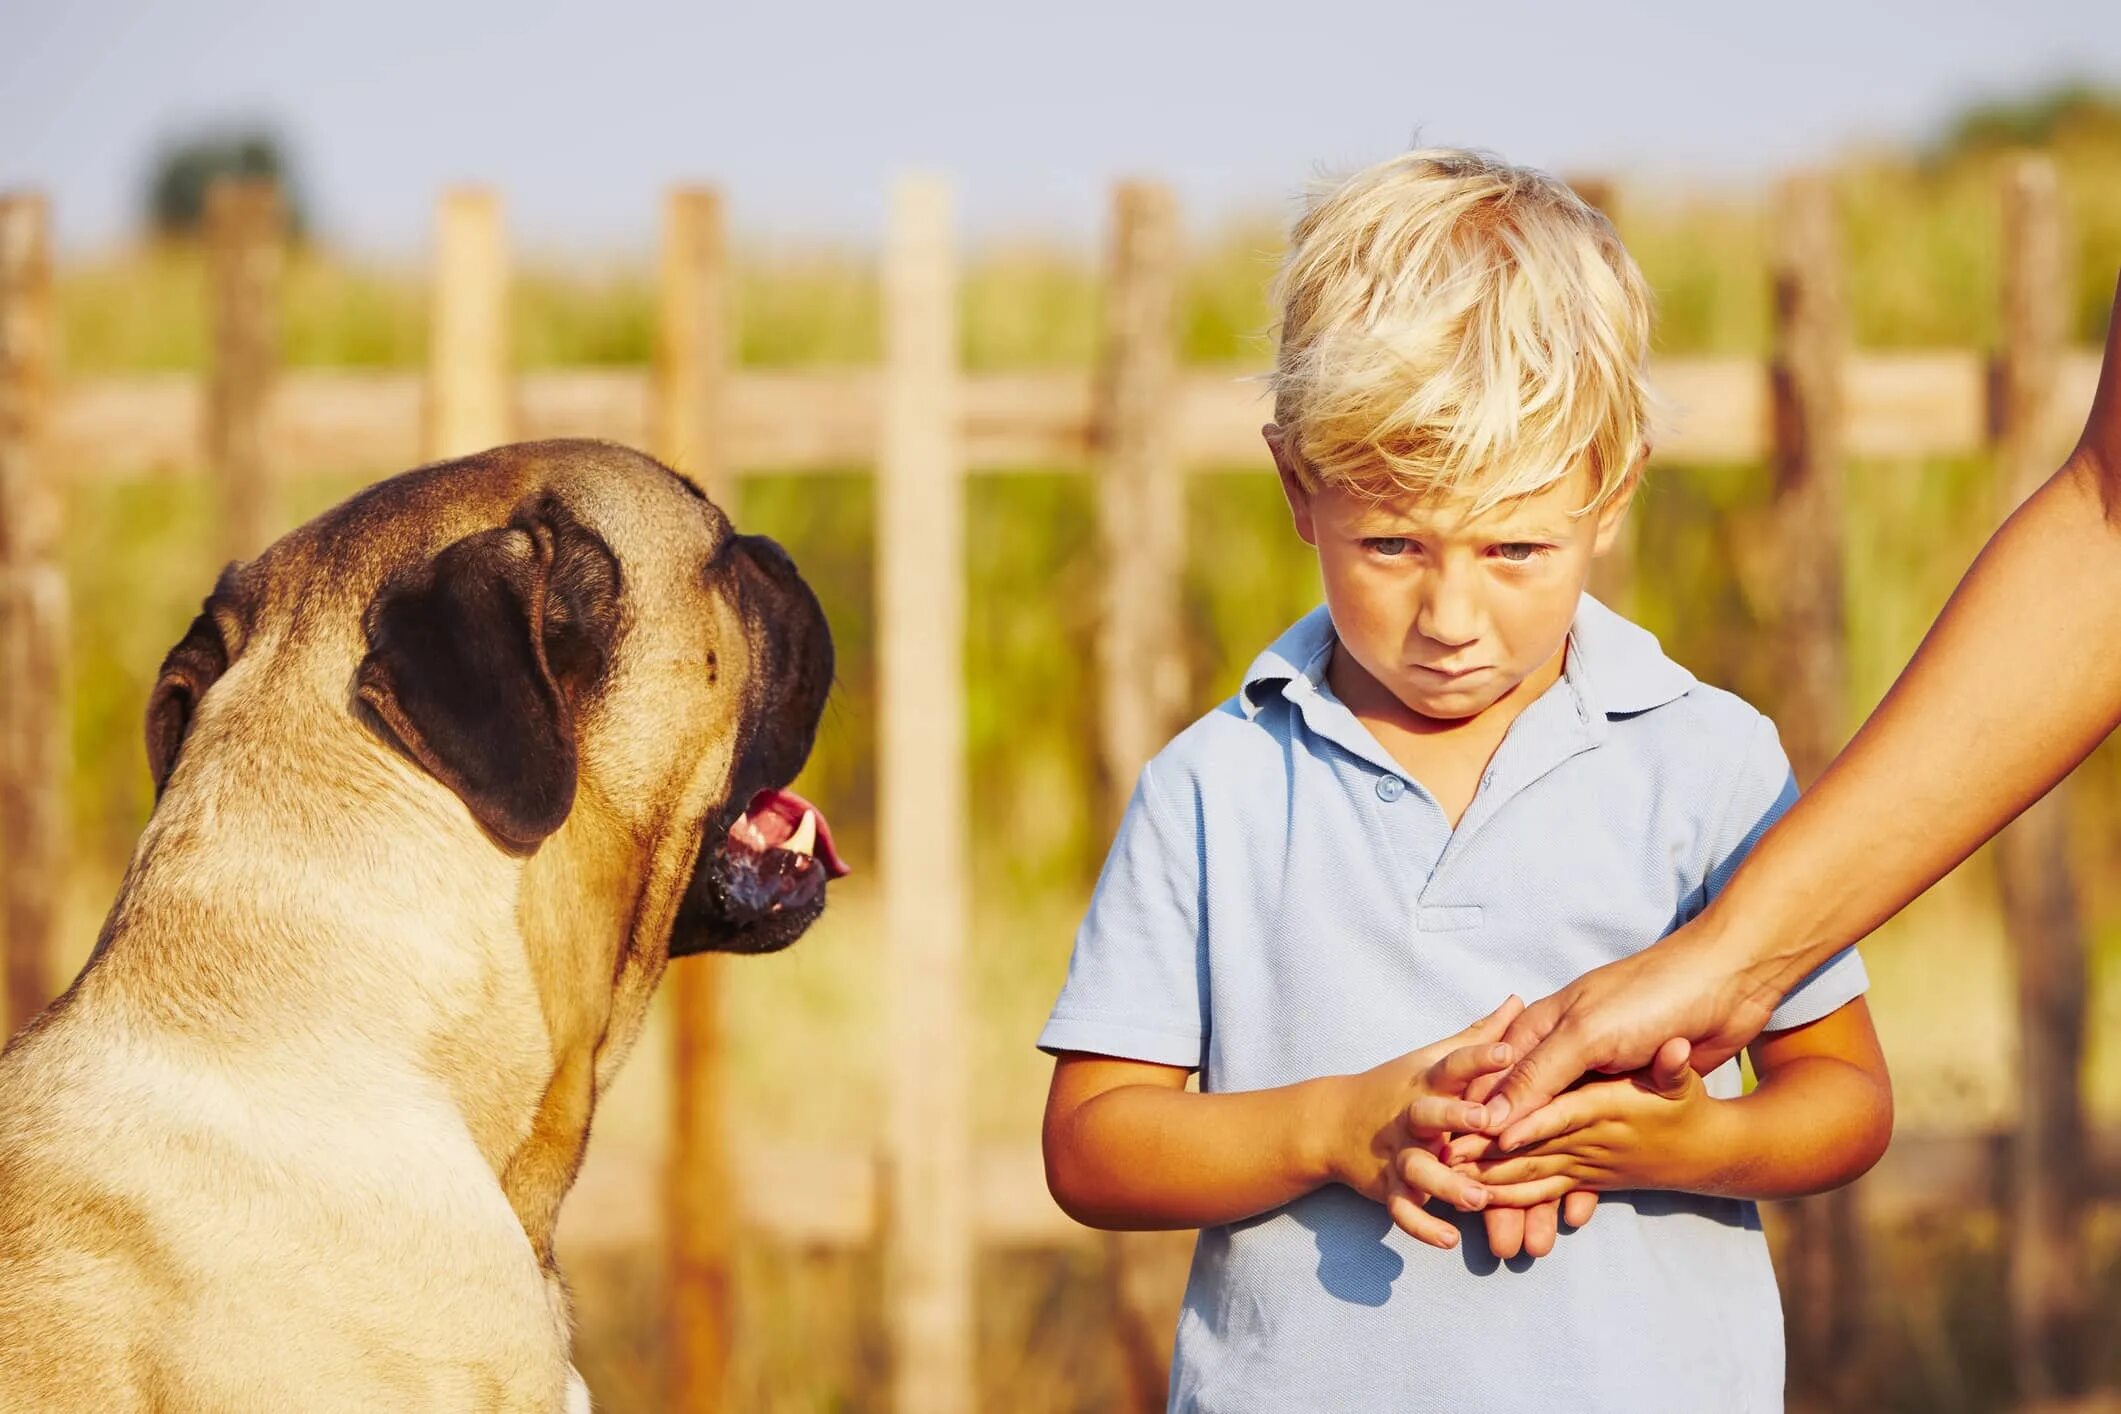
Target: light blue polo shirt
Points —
{"points": [[1282, 902]]}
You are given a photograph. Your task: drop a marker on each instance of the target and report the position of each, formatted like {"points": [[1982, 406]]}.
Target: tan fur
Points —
{"points": [[298, 1135]]}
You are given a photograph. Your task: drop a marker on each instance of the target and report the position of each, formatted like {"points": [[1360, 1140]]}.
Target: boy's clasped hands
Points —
{"points": [[1415, 1129]]}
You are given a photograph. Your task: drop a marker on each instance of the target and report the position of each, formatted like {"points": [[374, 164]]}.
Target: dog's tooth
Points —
{"points": [[804, 840]]}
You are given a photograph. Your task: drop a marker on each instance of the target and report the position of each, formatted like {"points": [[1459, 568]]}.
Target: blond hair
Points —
{"points": [[1453, 325]]}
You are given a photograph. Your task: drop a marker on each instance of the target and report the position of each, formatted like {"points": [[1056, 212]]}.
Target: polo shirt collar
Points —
{"points": [[1615, 668]]}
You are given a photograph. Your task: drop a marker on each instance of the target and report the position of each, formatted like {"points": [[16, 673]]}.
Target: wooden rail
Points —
{"points": [[339, 422]]}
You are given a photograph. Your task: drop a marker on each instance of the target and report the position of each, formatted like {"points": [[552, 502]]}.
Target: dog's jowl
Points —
{"points": [[444, 778]]}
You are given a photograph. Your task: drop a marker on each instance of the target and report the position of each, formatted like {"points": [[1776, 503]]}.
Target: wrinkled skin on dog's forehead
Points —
{"points": [[554, 627]]}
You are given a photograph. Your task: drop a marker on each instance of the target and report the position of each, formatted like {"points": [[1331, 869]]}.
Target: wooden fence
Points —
{"points": [[1142, 423]]}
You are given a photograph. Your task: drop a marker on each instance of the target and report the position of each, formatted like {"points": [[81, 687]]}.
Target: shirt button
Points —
{"points": [[1391, 788]]}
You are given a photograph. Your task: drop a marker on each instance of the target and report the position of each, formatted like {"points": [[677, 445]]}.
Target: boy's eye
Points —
{"points": [[1387, 545], [1518, 552]]}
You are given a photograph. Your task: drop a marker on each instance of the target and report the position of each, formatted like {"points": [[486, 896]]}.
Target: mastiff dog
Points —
{"points": [[442, 778]]}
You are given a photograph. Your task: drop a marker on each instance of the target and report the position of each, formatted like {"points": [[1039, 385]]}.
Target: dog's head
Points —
{"points": [[570, 641]]}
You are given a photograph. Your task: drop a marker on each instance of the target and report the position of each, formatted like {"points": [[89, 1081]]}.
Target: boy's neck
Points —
{"points": [[1445, 755]]}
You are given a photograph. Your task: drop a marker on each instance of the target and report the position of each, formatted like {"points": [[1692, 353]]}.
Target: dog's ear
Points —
{"points": [[188, 670], [479, 662]]}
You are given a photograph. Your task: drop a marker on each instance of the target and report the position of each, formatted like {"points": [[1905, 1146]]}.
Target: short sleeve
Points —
{"points": [[1137, 976], [1763, 790]]}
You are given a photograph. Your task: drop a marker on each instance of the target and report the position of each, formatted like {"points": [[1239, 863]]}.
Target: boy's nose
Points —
{"points": [[1446, 613]]}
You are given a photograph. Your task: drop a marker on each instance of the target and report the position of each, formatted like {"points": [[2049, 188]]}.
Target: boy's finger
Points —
{"points": [[1433, 1114], [1422, 1172], [1461, 1067], [1522, 1168], [1579, 1207], [1516, 1197], [1505, 1229], [1492, 1026], [1556, 1119], [1420, 1224], [1541, 1223], [1464, 1148]]}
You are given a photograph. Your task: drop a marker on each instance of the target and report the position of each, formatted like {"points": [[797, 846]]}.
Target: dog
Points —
{"points": [[443, 778]]}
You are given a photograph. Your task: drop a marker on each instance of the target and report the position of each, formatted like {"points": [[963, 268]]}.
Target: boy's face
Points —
{"points": [[1448, 613]]}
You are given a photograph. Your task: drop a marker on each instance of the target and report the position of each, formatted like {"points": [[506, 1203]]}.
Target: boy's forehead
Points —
{"points": [[1554, 506]]}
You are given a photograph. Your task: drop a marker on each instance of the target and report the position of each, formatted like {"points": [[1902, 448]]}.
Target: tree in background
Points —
{"points": [[186, 167]]}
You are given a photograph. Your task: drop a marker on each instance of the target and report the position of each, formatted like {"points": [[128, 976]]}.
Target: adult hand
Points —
{"points": [[1613, 1019]]}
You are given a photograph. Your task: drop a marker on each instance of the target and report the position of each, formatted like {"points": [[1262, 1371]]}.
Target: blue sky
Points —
{"points": [[581, 115]]}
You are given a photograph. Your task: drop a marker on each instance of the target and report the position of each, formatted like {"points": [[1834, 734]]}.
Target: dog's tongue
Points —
{"points": [[783, 820]]}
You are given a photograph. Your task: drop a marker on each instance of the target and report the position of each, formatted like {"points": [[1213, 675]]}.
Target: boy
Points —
{"points": [[1461, 778]]}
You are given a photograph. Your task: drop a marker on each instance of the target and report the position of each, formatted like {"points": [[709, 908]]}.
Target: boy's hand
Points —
{"points": [[1644, 1130], [1532, 1229], [1389, 1123]]}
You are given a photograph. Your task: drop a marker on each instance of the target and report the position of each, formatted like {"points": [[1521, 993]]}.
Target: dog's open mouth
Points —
{"points": [[778, 855]]}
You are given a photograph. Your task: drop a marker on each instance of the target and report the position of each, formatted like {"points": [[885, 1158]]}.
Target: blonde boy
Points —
{"points": [[1460, 779]]}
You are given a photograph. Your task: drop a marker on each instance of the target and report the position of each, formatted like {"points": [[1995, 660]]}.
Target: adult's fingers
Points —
{"points": [[1541, 1223], [1579, 1207], [1434, 1114], [1542, 1056], [1669, 1066], [1424, 1173]]}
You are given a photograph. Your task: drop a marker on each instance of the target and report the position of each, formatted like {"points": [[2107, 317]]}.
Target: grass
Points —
{"points": [[807, 1036]]}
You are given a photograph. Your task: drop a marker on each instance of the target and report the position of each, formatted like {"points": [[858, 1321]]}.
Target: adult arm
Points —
{"points": [[2015, 684]]}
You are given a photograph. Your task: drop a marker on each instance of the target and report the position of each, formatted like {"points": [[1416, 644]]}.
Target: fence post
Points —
{"points": [[1825, 1252], [1613, 574], [244, 241], [2050, 1283], [1141, 668], [694, 332], [691, 366], [33, 718], [921, 808], [469, 402]]}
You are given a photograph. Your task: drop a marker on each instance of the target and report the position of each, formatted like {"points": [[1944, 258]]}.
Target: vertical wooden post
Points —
{"points": [[1613, 574], [693, 340], [469, 405], [691, 366], [32, 620], [244, 239], [2050, 1280], [1141, 515], [1824, 1283], [921, 805]]}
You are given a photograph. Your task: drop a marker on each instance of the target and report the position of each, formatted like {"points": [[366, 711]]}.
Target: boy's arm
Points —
{"points": [[1821, 1115], [1128, 1146]]}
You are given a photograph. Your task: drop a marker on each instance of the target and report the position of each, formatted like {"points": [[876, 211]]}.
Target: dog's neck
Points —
{"points": [[413, 955]]}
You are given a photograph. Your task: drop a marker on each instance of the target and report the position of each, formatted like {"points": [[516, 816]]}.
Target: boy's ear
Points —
{"points": [[1292, 486], [1615, 510]]}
